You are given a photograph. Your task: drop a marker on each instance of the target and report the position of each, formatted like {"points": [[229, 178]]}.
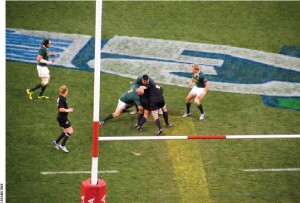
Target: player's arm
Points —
{"points": [[190, 84], [53, 54], [61, 108], [205, 89], [41, 60], [206, 86], [66, 110], [137, 102]]}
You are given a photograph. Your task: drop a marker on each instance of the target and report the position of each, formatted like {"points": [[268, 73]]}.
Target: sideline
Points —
{"points": [[271, 169]]}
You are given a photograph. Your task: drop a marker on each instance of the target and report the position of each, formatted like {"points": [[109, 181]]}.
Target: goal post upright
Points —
{"points": [[96, 110], [94, 189]]}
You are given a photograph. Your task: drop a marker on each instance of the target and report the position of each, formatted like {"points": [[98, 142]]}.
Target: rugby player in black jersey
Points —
{"points": [[155, 102], [62, 119]]}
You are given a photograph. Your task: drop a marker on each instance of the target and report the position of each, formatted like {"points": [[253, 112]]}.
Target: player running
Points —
{"points": [[198, 91], [62, 119], [43, 71], [127, 100], [156, 101]]}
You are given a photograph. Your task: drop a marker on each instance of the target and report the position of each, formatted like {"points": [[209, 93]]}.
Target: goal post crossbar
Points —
{"points": [[197, 137]]}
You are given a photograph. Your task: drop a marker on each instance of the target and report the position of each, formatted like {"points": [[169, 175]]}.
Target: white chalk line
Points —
{"points": [[271, 169], [75, 172]]}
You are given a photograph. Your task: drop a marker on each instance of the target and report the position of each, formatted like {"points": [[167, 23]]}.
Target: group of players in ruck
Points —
{"points": [[147, 97]]}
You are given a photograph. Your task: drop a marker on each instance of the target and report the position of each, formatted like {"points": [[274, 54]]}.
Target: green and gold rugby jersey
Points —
{"points": [[139, 80], [200, 79], [131, 96], [43, 51]]}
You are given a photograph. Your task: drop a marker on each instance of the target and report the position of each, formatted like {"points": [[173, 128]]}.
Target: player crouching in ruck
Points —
{"points": [[198, 91], [156, 101]]}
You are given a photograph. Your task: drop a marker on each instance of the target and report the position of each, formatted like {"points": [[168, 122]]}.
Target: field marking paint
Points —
{"points": [[271, 169], [188, 166], [228, 69], [151, 56], [75, 172], [66, 46]]}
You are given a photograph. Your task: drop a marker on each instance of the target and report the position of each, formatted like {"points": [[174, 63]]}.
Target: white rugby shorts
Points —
{"points": [[123, 105], [43, 71], [196, 91]]}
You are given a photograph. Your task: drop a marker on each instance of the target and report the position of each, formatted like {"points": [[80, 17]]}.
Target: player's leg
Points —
{"points": [[157, 122], [139, 117], [120, 108], [61, 123], [143, 120], [166, 115], [68, 132], [188, 104], [44, 83], [117, 112], [44, 74], [198, 103], [145, 103]]}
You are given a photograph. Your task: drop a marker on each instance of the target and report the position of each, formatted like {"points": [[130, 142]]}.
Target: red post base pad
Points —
{"points": [[93, 193]]}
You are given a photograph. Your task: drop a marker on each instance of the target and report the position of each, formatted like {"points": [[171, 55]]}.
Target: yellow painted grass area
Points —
{"points": [[187, 163]]}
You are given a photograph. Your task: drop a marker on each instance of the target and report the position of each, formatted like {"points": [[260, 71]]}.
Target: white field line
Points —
{"points": [[75, 172], [271, 169]]}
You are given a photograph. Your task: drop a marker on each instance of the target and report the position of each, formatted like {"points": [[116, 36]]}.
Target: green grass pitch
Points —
{"points": [[152, 171]]}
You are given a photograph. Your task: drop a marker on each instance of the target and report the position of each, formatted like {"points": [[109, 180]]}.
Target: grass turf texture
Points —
{"points": [[152, 171]]}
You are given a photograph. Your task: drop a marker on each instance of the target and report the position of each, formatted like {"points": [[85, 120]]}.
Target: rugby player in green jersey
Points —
{"points": [[127, 100], [43, 71], [198, 91]]}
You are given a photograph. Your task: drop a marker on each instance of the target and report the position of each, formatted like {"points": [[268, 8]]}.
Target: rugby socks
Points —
{"points": [[139, 117], [36, 87], [166, 117], [67, 135], [142, 121], [43, 90], [188, 107], [108, 117], [61, 135], [157, 122], [200, 107]]}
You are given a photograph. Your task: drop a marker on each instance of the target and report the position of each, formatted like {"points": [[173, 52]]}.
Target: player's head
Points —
{"points": [[140, 90], [46, 43], [63, 90], [145, 79], [195, 68]]}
